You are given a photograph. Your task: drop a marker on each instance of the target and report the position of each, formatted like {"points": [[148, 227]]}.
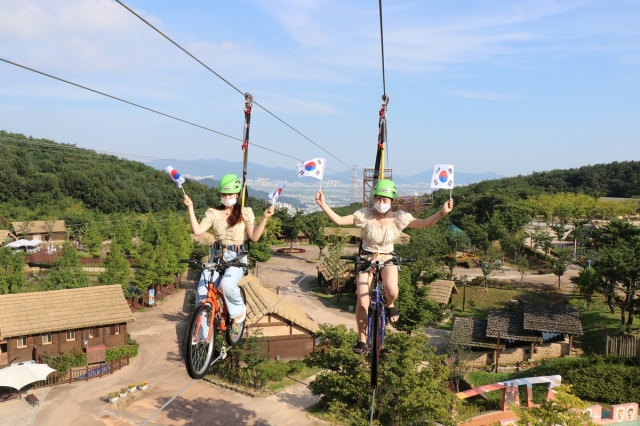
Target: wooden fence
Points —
{"points": [[72, 376], [628, 346]]}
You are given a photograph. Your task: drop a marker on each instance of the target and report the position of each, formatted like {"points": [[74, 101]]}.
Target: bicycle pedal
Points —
{"points": [[223, 352]]}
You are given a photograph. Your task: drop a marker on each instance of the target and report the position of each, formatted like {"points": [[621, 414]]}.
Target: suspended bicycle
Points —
{"points": [[377, 318], [210, 318]]}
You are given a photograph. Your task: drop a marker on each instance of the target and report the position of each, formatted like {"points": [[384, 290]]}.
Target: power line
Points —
{"points": [[148, 109], [226, 81]]}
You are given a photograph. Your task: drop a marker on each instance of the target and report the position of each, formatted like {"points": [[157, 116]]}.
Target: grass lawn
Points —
{"points": [[485, 301], [306, 372], [345, 301], [596, 324]]}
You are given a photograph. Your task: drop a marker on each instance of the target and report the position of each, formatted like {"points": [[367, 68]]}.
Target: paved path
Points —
{"points": [[159, 332]]}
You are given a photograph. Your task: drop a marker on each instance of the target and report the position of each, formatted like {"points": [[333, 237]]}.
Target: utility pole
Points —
{"points": [[498, 351], [464, 295]]}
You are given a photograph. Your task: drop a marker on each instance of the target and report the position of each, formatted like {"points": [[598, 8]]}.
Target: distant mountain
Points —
{"points": [[221, 167]]}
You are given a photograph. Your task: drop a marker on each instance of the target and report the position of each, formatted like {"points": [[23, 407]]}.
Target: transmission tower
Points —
{"points": [[355, 184]]}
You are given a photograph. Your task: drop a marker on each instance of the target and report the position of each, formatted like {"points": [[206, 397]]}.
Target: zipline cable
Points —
{"points": [[384, 89], [114, 97], [148, 109], [226, 81]]}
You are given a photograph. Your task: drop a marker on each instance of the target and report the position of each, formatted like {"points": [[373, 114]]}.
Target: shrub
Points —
{"points": [[120, 351], [113, 395], [124, 390], [143, 384], [274, 371], [64, 361], [131, 385], [295, 366]]}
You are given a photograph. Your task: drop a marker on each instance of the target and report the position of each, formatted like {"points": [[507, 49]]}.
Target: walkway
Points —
{"points": [[159, 331]]}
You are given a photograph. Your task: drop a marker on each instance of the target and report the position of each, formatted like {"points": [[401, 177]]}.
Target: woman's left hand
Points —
{"points": [[269, 212], [448, 206]]}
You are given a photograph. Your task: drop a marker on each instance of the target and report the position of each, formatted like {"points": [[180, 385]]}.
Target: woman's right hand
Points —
{"points": [[187, 201], [319, 198]]}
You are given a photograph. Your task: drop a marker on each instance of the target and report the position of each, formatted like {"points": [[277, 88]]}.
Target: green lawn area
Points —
{"points": [[495, 298], [345, 301], [306, 372], [596, 323]]}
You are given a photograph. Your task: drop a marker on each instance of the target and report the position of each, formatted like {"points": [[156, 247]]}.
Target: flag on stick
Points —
{"points": [[313, 168], [275, 194], [442, 177], [177, 177]]}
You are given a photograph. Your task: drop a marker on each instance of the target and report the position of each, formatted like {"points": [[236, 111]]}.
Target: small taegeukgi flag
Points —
{"points": [[442, 177], [275, 194], [177, 178], [313, 168]]}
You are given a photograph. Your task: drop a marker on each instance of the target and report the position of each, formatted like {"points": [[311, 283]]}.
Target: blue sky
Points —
{"points": [[505, 86]]}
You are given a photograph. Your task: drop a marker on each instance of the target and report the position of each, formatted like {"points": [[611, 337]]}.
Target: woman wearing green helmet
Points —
{"points": [[231, 225], [380, 228]]}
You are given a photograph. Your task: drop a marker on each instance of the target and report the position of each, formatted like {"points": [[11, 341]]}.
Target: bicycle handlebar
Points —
{"points": [[209, 266], [394, 260]]}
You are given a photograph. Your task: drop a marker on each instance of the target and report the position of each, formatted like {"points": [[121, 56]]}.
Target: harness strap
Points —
{"points": [[248, 106]]}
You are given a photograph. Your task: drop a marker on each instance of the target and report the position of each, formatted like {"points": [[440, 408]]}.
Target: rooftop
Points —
{"points": [[511, 327], [550, 318]]}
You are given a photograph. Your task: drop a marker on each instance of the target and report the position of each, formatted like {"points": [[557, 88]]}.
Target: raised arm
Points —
{"points": [[254, 234], [335, 218], [197, 228], [431, 220]]}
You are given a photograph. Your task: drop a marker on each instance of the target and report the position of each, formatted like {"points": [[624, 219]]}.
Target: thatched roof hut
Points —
{"points": [[440, 291]]}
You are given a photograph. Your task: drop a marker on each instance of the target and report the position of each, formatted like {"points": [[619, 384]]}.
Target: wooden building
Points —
{"points": [[327, 273], [43, 230], [287, 329], [32, 324]]}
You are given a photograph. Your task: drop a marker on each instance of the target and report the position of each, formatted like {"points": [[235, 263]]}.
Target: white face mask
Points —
{"points": [[382, 208], [228, 202]]}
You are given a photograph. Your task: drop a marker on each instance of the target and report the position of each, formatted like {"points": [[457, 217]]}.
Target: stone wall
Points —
{"points": [[512, 356]]}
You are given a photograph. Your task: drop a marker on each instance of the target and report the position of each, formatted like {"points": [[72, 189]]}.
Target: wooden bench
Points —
{"points": [[33, 400]]}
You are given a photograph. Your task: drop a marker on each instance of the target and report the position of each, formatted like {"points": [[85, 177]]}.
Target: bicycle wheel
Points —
{"points": [[235, 331], [376, 342], [199, 348]]}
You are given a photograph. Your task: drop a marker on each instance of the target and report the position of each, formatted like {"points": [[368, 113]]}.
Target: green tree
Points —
{"points": [[560, 230], [313, 227], [151, 232], [146, 272], [619, 262], [542, 239], [416, 310], [588, 282], [477, 232], [489, 265], [565, 410], [290, 224], [11, 271], [92, 242], [66, 272], [560, 264], [411, 384], [117, 269]]}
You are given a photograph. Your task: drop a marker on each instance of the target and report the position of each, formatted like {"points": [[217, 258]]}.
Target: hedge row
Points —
{"points": [[611, 380]]}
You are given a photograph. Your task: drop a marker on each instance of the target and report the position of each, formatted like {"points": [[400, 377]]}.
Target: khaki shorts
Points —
{"points": [[370, 257]]}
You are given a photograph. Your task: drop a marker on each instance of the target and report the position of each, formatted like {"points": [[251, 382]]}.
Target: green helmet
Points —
{"points": [[230, 184], [386, 188]]}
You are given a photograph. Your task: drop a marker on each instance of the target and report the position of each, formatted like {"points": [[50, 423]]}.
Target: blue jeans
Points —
{"points": [[227, 283]]}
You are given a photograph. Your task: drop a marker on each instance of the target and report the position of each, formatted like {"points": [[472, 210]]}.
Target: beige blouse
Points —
{"points": [[220, 228], [377, 238]]}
